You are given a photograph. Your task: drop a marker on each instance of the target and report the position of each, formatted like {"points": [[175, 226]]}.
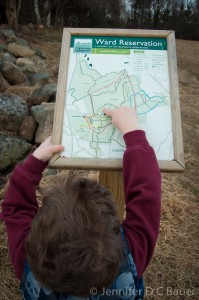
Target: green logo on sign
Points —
{"points": [[82, 46]]}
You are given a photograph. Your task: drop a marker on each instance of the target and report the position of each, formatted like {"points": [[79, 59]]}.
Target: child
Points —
{"points": [[73, 247]]}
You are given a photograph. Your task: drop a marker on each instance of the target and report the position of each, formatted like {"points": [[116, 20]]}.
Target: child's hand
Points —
{"points": [[46, 150], [123, 118]]}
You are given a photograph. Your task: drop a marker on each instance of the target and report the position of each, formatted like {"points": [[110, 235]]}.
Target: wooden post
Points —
{"points": [[113, 180]]}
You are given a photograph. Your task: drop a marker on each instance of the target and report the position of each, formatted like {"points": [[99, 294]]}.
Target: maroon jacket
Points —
{"points": [[142, 184]]}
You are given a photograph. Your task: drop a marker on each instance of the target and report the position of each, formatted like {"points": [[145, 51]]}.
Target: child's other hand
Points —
{"points": [[45, 151], [123, 118]]}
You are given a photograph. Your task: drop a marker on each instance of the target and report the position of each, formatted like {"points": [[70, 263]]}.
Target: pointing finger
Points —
{"points": [[107, 112]]}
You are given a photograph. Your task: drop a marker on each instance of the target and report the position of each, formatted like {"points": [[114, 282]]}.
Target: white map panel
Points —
{"points": [[96, 81]]}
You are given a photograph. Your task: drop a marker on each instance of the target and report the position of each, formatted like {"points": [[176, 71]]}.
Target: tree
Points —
{"points": [[47, 13], [12, 12], [37, 13]]}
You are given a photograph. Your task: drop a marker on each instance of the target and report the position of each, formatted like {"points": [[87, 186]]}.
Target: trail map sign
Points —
{"points": [[102, 68]]}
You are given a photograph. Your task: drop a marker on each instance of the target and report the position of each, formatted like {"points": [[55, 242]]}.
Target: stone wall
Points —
{"points": [[27, 98]]}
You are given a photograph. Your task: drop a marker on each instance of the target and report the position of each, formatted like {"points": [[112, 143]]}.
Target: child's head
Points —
{"points": [[74, 242]]}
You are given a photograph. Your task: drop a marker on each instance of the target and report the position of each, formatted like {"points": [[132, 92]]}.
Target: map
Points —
{"points": [[113, 72]]}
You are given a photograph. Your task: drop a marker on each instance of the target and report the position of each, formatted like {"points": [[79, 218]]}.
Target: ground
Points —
{"points": [[173, 271]]}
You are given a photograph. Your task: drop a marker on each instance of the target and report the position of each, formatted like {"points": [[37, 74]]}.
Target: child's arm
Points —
{"points": [[142, 185], [20, 204]]}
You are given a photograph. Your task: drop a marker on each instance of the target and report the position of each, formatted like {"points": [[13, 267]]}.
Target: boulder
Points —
{"points": [[21, 62], [12, 73], [28, 69], [21, 42], [12, 149], [38, 79], [20, 51], [40, 64], [44, 115], [9, 35], [7, 57], [46, 93], [28, 128], [32, 66], [3, 48], [13, 110], [3, 83], [39, 53]]}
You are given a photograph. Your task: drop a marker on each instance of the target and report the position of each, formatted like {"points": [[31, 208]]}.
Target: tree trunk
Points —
{"points": [[37, 13], [58, 15], [12, 12], [48, 20], [47, 13]]}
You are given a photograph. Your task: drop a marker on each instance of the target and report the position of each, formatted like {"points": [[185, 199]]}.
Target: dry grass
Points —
{"points": [[175, 261], [22, 91], [9, 285]]}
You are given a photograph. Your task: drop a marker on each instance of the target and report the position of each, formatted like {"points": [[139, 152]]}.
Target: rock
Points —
{"points": [[26, 66], [9, 35], [3, 48], [40, 64], [12, 73], [11, 150], [21, 42], [28, 70], [32, 66], [28, 128], [3, 83], [9, 58], [13, 110], [21, 62], [46, 93], [38, 79], [39, 53], [20, 51], [43, 114]]}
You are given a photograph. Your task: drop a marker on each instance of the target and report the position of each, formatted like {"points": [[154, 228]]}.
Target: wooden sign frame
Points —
{"points": [[176, 165]]}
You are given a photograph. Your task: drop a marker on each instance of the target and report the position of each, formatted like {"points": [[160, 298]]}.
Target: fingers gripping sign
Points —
{"points": [[123, 118], [46, 150]]}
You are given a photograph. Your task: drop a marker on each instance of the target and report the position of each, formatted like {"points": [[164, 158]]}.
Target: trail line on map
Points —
{"points": [[132, 90], [154, 78], [116, 81], [164, 141], [91, 103]]}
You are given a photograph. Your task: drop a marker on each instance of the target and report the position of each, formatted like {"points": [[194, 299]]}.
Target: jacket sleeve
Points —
{"points": [[142, 185], [19, 208]]}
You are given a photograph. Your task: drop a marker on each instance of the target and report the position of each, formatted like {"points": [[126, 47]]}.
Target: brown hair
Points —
{"points": [[74, 242]]}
